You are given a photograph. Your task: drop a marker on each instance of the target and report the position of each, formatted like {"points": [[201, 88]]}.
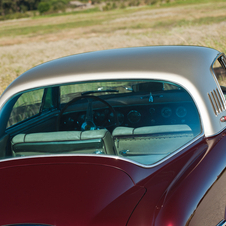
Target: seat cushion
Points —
{"points": [[120, 131], [89, 142], [151, 140]]}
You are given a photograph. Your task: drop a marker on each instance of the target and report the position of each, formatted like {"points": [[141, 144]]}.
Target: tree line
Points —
{"points": [[14, 6], [22, 6], [8, 7]]}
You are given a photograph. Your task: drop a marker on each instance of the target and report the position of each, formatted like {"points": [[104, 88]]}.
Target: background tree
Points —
{"points": [[43, 7], [13, 6]]}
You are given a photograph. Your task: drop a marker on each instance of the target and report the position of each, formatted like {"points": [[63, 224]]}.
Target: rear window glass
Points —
{"points": [[144, 121], [68, 92]]}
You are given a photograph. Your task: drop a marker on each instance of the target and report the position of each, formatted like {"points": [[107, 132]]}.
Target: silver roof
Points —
{"points": [[187, 66]]}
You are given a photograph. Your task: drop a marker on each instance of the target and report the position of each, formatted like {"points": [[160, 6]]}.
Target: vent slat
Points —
{"points": [[214, 109], [216, 101], [221, 101]]}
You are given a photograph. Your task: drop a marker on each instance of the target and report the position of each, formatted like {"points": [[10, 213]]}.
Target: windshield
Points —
{"points": [[141, 120]]}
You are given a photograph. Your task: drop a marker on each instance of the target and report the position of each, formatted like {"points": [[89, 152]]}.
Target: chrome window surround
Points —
{"points": [[201, 136], [222, 223], [223, 60]]}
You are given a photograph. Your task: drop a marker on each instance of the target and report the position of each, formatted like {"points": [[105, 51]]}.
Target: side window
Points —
{"points": [[26, 106], [220, 71]]}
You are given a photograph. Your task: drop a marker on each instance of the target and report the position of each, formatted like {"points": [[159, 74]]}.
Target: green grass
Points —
{"points": [[81, 19], [51, 28], [202, 21], [218, 44], [29, 42], [183, 22], [188, 2], [92, 17], [92, 10], [166, 24]]}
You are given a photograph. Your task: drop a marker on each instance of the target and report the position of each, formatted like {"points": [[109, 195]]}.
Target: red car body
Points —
{"points": [[188, 188]]}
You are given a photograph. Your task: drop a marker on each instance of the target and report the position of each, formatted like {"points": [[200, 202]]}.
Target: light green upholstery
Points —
{"points": [[151, 140], [85, 142]]}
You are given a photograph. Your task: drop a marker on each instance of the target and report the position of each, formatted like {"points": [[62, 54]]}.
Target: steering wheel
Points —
{"points": [[88, 124]]}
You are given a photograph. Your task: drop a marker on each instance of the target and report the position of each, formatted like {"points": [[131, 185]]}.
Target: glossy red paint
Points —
{"points": [[66, 194], [199, 197], [160, 184], [104, 188]]}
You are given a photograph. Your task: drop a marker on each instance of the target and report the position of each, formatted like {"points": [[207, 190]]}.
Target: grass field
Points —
{"points": [[28, 42]]}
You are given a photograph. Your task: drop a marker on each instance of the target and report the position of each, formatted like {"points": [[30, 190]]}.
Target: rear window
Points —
{"points": [[144, 121]]}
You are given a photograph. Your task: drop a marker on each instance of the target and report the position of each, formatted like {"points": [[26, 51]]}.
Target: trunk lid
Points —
{"points": [[66, 191]]}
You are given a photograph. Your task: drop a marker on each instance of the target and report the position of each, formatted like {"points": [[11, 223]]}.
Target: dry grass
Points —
{"points": [[29, 42]]}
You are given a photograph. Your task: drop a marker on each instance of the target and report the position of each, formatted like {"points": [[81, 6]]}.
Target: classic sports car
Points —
{"points": [[132, 136]]}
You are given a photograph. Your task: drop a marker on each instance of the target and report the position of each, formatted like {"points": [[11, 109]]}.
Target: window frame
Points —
{"points": [[222, 60], [42, 111]]}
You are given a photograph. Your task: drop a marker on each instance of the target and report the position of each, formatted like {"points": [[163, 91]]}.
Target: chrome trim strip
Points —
{"points": [[215, 78], [214, 109], [111, 156], [222, 223], [221, 101]]}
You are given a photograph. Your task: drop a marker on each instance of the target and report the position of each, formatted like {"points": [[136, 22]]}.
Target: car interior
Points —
{"points": [[140, 120]]}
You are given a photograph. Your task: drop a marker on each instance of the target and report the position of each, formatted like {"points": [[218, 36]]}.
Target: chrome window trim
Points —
{"points": [[215, 78], [111, 156], [128, 160], [211, 126], [222, 223]]}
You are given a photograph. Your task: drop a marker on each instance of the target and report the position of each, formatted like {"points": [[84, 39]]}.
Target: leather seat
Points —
{"points": [[84, 142], [150, 140]]}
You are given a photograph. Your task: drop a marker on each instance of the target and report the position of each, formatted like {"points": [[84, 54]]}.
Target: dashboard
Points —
{"points": [[136, 115]]}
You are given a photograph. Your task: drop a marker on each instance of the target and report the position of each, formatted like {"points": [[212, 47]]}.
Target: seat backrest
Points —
{"points": [[150, 140], [85, 142]]}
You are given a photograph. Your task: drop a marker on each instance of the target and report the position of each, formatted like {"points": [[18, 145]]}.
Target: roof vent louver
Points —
{"points": [[216, 101]]}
